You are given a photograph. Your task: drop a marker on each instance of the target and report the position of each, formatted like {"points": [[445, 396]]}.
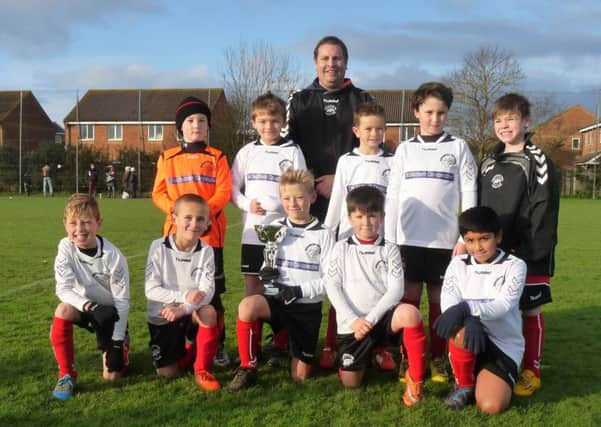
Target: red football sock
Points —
{"points": [[534, 335], [248, 343], [463, 363], [331, 331], [61, 337], [280, 340], [188, 357], [206, 347], [437, 343], [414, 339], [403, 349]]}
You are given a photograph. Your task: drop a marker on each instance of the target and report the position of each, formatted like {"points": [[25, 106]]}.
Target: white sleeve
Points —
{"points": [[450, 293], [334, 284], [468, 176], [392, 197], [299, 162], [238, 171], [338, 193], [508, 298], [154, 287], [316, 287], [207, 279], [395, 286], [120, 291], [65, 277]]}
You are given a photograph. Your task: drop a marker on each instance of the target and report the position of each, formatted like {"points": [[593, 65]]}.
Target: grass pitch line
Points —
{"points": [[40, 282]]}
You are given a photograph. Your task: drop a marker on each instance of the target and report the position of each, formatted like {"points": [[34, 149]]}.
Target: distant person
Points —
{"points": [[27, 182], [92, 180], [124, 183], [46, 180], [179, 286], [110, 181], [519, 182], [92, 284], [480, 315], [132, 183], [195, 167], [320, 117], [432, 179]]}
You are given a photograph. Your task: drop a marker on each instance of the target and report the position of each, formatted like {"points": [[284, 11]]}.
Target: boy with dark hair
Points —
{"points": [[433, 177], [369, 165], [519, 182], [195, 167], [92, 283], [300, 260], [179, 285], [365, 284], [481, 317]]}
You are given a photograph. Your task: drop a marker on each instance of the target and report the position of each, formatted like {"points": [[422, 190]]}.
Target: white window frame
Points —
{"points": [[89, 132], [118, 130], [575, 143], [155, 128]]}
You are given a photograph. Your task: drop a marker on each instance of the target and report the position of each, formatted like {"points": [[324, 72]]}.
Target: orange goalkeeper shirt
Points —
{"points": [[201, 170]]}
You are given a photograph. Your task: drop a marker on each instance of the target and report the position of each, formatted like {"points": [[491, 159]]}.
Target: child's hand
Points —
{"points": [[195, 297], [255, 207], [361, 328], [459, 249], [173, 312]]}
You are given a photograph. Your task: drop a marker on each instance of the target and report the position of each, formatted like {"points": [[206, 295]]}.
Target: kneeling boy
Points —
{"points": [[297, 306], [365, 284], [180, 284], [481, 318], [92, 283]]}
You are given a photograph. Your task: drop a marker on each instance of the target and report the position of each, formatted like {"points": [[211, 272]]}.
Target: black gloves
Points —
{"points": [[474, 337], [268, 274], [103, 315], [114, 356], [451, 320], [287, 294]]}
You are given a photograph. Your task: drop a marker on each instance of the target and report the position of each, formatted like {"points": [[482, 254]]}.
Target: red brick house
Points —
{"points": [[36, 127], [590, 139], [110, 120], [401, 123]]}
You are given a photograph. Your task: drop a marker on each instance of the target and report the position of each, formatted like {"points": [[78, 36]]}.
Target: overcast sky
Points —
{"points": [[55, 47]]}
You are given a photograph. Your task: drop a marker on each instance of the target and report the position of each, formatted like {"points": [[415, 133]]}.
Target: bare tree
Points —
{"points": [[250, 71], [484, 76]]}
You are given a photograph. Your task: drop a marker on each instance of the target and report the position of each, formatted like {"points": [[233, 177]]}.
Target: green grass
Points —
{"points": [[31, 228]]}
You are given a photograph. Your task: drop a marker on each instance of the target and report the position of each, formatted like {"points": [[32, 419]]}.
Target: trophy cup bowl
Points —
{"points": [[271, 235]]}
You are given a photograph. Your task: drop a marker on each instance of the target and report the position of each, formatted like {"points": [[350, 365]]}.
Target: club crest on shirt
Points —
{"points": [[381, 266], [207, 168], [285, 165], [330, 106], [386, 173], [313, 251], [498, 283], [448, 160], [102, 278], [497, 181]]}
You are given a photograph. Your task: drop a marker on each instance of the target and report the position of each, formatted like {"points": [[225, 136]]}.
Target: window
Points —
{"points": [[86, 132], [115, 132], [575, 143], [155, 132]]}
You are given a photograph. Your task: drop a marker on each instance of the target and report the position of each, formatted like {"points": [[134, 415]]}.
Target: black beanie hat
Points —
{"points": [[189, 106]]}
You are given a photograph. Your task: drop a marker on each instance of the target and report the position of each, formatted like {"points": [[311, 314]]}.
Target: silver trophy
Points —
{"points": [[271, 235]]}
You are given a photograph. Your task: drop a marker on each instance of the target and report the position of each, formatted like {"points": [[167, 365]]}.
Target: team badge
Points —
{"points": [[448, 160], [156, 352], [497, 181], [330, 106], [313, 251], [207, 168], [285, 165], [381, 267], [347, 360], [386, 173], [102, 278], [498, 284]]}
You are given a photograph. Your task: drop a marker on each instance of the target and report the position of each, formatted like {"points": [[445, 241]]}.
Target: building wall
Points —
{"points": [[563, 127], [395, 134], [590, 141]]}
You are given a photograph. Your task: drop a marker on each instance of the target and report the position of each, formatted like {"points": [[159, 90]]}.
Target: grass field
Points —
{"points": [[31, 228]]}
